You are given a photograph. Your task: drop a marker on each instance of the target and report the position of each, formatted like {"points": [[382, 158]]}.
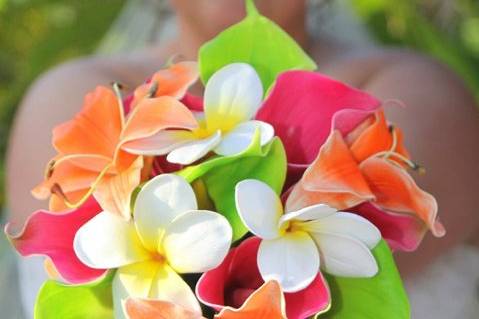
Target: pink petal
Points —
{"points": [[301, 107], [402, 231], [232, 282], [308, 302], [193, 102], [51, 234]]}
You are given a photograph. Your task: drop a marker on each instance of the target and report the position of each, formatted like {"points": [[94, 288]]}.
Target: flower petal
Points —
{"points": [[197, 241], [114, 192], [301, 106], [238, 139], [308, 213], [347, 224], [173, 81], [108, 241], [259, 208], [267, 302], [161, 143], [333, 178], [150, 309], [52, 235], [95, 129], [160, 200], [151, 279], [345, 256], [232, 95], [192, 151], [292, 260], [402, 231], [395, 190]]}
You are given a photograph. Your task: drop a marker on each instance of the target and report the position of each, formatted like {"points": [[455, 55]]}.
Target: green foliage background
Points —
{"points": [[37, 34]]}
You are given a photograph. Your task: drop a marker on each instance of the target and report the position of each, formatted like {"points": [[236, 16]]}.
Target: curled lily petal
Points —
{"points": [[259, 208], [292, 260], [197, 241], [52, 234], [232, 95], [395, 190]]}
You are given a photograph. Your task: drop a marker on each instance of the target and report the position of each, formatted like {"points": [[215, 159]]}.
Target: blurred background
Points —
{"points": [[38, 34]]}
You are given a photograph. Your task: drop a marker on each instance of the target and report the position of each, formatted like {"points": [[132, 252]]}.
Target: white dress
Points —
{"points": [[448, 289]]}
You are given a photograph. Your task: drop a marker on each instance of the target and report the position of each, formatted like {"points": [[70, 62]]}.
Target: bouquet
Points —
{"points": [[280, 193]]}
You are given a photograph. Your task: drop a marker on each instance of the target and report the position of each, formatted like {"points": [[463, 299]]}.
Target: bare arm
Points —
{"points": [[441, 126]]}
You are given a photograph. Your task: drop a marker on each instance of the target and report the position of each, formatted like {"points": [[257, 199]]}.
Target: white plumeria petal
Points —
{"points": [[192, 151], [197, 241], [313, 212], [348, 224], [108, 241], [161, 143], [151, 280], [292, 260], [160, 200], [238, 139], [232, 95], [345, 256], [259, 207]]}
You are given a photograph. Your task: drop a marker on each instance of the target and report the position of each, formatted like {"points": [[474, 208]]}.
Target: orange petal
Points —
{"points": [[333, 178], [95, 129], [113, 193], [69, 176], [372, 137], [267, 302], [173, 81], [395, 190], [157, 309], [57, 203]]}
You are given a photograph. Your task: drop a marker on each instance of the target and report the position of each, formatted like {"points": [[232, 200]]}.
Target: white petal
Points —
{"points": [[108, 241], [197, 241], [194, 150], [232, 95], [259, 207], [345, 256], [151, 280], [242, 135], [161, 143], [163, 198], [292, 260], [313, 212], [347, 224]]}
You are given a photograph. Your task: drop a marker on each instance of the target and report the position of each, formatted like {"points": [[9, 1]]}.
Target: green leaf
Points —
{"points": [[255, 40], [221, 174], [382, 296], [93, 301]]}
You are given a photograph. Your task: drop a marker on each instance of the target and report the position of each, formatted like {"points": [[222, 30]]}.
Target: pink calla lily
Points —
{"points": [[238, 276], [52, 234]]}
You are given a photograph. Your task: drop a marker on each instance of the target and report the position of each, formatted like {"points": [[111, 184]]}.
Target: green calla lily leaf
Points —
{"points": [[58, 300], [220, 175], [382, 296], [255, 40]]}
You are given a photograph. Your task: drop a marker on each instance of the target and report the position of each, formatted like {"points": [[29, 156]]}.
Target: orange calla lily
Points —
{"points": [[368, 165], [157, 309], [90, 157]]}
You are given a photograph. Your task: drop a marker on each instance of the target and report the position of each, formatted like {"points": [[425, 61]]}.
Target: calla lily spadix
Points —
{"points": [[168, 235], [297, 243], [233, 95]]}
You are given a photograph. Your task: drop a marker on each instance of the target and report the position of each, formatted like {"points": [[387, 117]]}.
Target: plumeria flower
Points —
{"points": [[91, 156], [232, 97], [296, 244], [167, 236], [267, 302]]}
